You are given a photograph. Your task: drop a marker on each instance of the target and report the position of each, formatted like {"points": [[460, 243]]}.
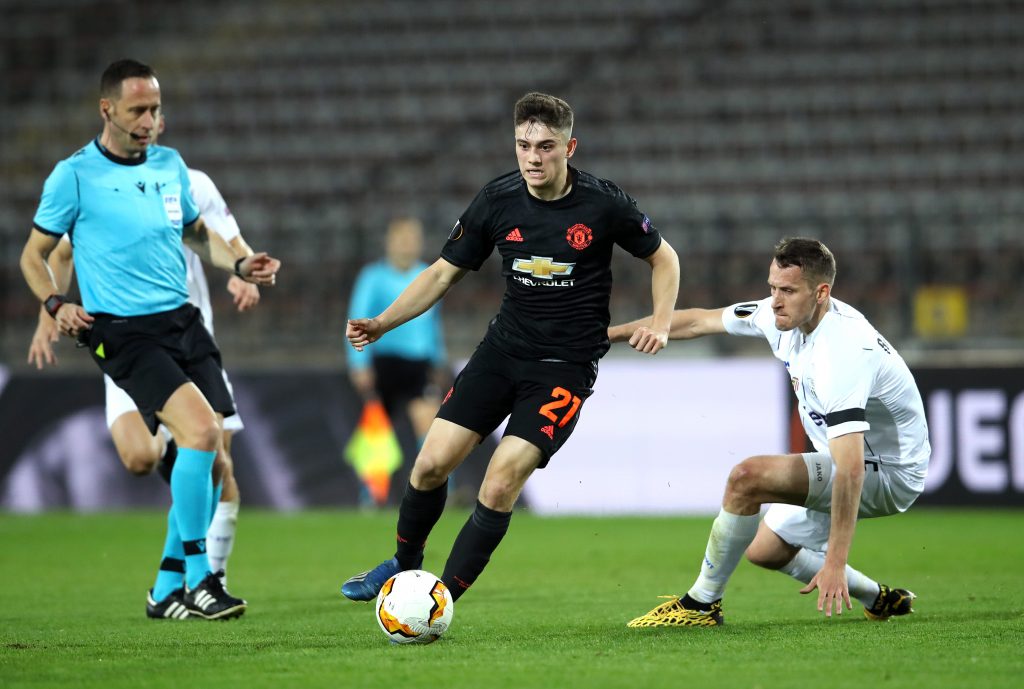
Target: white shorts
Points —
{"points": [[118, 403], [888, 489]]}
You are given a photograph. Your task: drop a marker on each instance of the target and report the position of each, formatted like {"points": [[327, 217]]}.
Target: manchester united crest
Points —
{"points": [[579, 236]]}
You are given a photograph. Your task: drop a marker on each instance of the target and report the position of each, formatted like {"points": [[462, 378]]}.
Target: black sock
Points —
{"points": [[166, 464], [417, 515], [694, 604], [479, 537]]}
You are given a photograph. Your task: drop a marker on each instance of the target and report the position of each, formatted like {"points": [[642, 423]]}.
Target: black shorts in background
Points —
{"points": [[542, 399], [151, 356], [398, 380]]}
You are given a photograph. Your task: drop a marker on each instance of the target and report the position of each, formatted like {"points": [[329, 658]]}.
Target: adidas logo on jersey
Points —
{"points": [[514, 236], [549, 431]]}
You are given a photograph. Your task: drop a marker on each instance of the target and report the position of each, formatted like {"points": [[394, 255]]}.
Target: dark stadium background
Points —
{"points": [[891, 129]]}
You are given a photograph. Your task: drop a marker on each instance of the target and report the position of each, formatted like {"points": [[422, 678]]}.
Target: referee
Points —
{"points": [[127, 206]]}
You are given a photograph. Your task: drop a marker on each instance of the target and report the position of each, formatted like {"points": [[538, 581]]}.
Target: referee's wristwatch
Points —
{"points": [[53, 304]]}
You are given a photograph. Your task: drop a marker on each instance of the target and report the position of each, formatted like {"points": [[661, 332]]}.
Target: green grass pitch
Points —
{"points": [[550, 610]]}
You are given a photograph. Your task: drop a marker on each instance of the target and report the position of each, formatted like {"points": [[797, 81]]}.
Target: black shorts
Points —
{"points": [[399, 380], [152, 356], [543, 399]]}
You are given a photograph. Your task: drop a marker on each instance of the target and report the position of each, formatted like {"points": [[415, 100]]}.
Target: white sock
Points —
{"points": [[730, 536], [220, 537], [807, 563]]}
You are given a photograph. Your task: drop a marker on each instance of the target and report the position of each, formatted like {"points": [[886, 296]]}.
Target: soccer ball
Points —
{"points": [[414, 607]]}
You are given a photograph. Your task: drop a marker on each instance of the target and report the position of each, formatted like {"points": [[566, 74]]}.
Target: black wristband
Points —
{"points": [[238, 264], [53, 304]]}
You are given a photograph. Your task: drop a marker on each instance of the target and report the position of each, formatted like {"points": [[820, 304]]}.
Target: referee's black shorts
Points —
{"points": [[151, 356], [542, 399]]}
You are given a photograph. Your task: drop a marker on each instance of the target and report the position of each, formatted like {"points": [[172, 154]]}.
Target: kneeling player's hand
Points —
{"points": [[833, 590]]}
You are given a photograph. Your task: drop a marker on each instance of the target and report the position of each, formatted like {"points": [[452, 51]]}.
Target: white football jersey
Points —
{"points": [[847, 379], [218, 218]]}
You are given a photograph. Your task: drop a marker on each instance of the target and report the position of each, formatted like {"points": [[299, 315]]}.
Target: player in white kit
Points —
{"points": [[860, 407], [139, 450]]}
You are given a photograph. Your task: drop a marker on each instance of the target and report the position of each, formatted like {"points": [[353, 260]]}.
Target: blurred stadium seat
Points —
{"points": [[894, 131]]}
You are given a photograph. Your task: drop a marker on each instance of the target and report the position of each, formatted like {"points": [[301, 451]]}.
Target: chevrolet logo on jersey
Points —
{"points": [[542, 267]]}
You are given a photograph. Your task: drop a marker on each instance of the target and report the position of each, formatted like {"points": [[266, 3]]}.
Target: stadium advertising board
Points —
{"points": [[658, 436], [976, 423]]}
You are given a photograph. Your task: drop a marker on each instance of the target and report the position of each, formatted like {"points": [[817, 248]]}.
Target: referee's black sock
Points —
{"points": [[166, 464], [417, 515], [479, 537]]}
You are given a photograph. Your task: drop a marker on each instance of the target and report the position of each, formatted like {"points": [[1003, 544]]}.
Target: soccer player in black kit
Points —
{"points": [[555, 227]]}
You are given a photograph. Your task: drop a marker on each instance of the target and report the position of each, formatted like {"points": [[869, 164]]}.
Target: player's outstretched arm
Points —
{"points": [[423, 292], [687, 324]]}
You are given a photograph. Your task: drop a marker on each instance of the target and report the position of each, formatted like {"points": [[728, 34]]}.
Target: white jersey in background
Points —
{"points": [[218, 218], [847, 379]]}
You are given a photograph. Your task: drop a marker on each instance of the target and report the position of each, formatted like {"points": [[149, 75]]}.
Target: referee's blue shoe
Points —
{"points": [[366, 585]]}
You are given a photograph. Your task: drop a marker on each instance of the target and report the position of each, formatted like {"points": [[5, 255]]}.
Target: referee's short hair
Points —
{"points": [[118, 71], [811, 256], [552, 112]]}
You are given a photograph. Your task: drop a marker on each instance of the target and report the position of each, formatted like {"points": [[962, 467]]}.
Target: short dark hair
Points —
{"points": [[115, 74], [552, 112], [811, 256]]}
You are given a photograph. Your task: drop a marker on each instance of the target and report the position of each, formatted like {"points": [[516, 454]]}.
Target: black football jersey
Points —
{"points": [[556, 259]]}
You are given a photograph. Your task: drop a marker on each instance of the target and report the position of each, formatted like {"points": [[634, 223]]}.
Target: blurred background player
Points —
{"points": [[404, 370], [128, 207], [555, 228], [139, 450], [860, 407]]}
